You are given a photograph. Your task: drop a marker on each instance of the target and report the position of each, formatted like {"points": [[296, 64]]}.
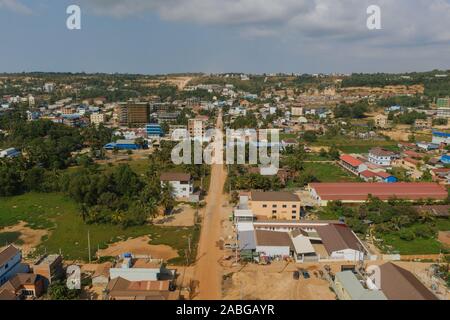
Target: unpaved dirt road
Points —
{"points": [[208, 271]]}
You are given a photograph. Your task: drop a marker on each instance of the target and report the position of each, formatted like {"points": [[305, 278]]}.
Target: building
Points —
{"points": [[98, 118], [122, 289], [443, 113], [71, 120], [381, 121], [423, 123], [50, 268], [305, 241], [348, 287], [352, 164], [443, 103], [357, 192], [11, 263], [9, 153], [138, 269], [125, 145], [275, 205], [197, 127], [178, 132], [297, 111], [22, 286], [441, 137], [400, 284], [154, 130], [181, 183], [382, 157], [133, 113]]}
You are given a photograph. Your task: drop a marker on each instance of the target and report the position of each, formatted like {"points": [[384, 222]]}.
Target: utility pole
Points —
{"points": [[89, 246]]}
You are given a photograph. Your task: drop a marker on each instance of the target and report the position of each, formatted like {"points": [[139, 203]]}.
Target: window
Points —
{"points": [[294, 211], [284, 206], [294, 217], [294, 206], [264, 205], [274, 211], [274, 206]]}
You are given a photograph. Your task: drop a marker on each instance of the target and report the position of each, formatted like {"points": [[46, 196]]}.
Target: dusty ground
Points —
{"points": [[208, 271], [139, 246], [31, 238], [275, 282], [183, 216], [180, 82]]}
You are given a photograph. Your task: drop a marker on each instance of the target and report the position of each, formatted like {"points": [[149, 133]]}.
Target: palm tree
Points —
{"points": [[167, 199]]}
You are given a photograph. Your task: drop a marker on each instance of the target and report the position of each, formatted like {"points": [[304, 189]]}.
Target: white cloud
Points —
{"points": [[15, 6], [405, 22]]}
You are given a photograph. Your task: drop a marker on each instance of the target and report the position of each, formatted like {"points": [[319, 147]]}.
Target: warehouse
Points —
{"points": [[351, 193]]}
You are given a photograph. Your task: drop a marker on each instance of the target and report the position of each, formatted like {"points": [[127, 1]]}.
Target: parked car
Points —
{"points": [[230, 246], [306, 274]]}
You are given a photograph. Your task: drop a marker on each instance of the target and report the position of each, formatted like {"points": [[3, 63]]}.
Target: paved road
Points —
{"points": [[208, 271]]}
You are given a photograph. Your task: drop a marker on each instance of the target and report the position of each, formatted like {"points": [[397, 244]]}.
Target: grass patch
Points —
{"points": [[60, 214], [329, 172], [347, 145]]}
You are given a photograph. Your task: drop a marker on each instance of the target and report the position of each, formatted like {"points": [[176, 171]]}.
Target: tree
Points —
{"points": [[58, 291], [167, 198]]}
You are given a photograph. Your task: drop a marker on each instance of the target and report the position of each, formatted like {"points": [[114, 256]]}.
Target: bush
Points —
{"points": [[407, 235]]}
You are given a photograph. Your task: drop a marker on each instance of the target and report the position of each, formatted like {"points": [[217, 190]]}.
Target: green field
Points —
{"points": [[418, 245], [329, 172], [348, 145], [59, 214], [7, 238]]}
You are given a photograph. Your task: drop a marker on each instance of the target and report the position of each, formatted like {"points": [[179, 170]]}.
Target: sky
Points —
{"points": [[220, 36]]}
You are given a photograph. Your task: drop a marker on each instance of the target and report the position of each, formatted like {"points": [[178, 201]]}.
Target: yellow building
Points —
{"points": [[275, 205]]}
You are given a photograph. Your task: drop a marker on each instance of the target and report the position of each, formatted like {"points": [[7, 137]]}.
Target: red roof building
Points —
{"points": [[359, 192]]}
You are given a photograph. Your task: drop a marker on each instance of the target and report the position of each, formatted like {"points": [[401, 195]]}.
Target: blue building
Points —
{"points": [[445, 159], [124, 145], [154, 130], [441, 137]]}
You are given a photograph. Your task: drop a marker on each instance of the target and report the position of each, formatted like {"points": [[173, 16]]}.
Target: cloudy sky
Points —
{"points": [[255, 36]]}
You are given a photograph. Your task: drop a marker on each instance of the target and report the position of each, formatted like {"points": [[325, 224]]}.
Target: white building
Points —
{"points": [[11, 264], [9, 153], [140, 270], [181, 183], [382, 157]]}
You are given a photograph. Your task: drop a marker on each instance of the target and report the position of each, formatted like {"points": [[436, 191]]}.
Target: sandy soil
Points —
{"points": [[180, 82], [183, 216], [275, 282], [31, 238], [140, 246], [208, 271]]}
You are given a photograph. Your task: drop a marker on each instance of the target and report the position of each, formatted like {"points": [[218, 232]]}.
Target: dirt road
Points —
{"points": [[208, 271]]}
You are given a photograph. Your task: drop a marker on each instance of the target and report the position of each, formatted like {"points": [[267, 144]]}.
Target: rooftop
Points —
{"points": [[175, 176], [274, 196], [360, 191]]}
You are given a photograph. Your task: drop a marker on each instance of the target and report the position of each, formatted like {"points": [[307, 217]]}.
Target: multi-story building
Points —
{"points": [[154, 130], [382, 157], [381, 121], [443, 112], [133, 113], [441, 137], [197, 126], [97, 118], [443, 103], [50, 268], [275, 205]]}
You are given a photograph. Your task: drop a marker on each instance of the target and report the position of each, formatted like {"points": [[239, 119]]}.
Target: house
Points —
{"points": [[398, 283], [355, 192], [445, 159], [50, 268], [305, 241], [441, 137], [22, 286], [441, 175], [138, 269], [381, 121], [273, 244], [289, 143], [352, 164], [122, 289], [11, 263], [423, 123], [427, 146], [9, 153], [181, 183], [348, 287], [275, 205], [97, 118], [382, 157]]}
